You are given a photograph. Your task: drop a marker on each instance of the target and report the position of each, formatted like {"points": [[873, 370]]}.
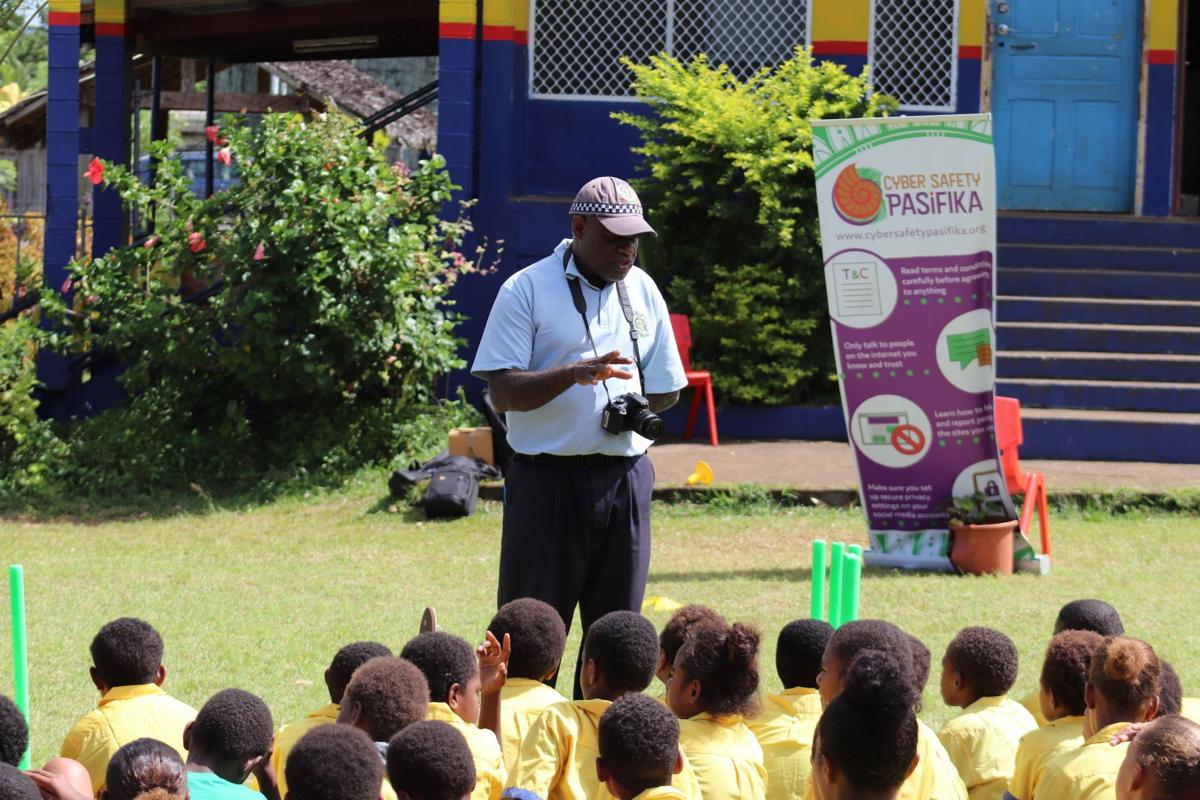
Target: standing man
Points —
{"points": [[578, 353]]}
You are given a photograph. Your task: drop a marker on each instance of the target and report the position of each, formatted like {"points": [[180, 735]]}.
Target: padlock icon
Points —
{"points": [[992, 489]]}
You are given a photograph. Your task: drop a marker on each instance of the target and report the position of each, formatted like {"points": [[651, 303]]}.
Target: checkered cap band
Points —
{"points": [[606, 208]]}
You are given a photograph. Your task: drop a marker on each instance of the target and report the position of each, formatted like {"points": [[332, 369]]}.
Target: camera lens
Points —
{"points": [[650, 425]]}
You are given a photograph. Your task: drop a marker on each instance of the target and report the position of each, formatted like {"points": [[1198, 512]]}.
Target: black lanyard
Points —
{"points": [[626, 309]]}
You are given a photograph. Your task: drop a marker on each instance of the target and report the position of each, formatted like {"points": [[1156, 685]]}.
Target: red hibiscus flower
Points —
{"points": [[259, 252], [225, 156], [95, 171], [196, 242]]}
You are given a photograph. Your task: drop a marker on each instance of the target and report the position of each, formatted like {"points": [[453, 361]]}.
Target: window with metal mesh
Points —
{"points": [[576, 45], [913, 52]]}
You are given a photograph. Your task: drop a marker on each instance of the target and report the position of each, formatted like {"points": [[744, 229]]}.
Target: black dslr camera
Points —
{"points": [[631, 412]]}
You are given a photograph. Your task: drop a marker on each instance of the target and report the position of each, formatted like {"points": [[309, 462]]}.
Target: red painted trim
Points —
{"points": [[1162, 57], [456, 30], [521, 38], [110, 28], [971, 51], [839, 48], [64, 18], [498, 33]]}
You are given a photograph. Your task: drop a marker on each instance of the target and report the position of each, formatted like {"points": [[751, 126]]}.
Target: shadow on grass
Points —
{"points": [[779, 574]]}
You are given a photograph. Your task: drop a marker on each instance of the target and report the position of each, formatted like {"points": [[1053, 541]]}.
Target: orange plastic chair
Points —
{"points": [[699, 380], [1032, 485]]}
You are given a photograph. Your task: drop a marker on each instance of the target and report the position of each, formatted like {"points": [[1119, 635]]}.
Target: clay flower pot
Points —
{"points": [[983, 549]]}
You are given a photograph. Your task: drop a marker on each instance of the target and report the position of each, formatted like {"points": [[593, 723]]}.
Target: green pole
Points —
{"points": [[851, 583], [838, 555], [818, 579], [16, 592], [856, 549]]}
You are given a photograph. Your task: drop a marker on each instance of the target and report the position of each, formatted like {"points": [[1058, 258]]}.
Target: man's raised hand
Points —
{"points": [[591, 371]]}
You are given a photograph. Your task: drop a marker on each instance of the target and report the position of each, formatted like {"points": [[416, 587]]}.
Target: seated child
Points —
{"points": [[334, 762], [16, 785], [557, 760], [337, 675], [127, 670], [978, 669], [922, 662], [786, 724], [935, 777], [430, 761], [1122, 688], [1064, 675], [1170, 692], [457, 676], [1096, 616], [538, 638], [146, 769], [14, 733], [713, 686], [675, 632], [230, 738], [639, 749], [1162, 763], [866, 742]]}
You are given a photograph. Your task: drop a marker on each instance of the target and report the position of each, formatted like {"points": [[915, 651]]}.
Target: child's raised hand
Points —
{"points": [[493, 662]]}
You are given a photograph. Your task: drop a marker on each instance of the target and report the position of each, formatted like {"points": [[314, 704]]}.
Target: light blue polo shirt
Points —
{"points": [[534, 326]]}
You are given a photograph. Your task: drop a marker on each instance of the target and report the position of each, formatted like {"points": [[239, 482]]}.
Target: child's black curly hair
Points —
{"points": [[348, 659], [127, 652], [639, 742], [1127, 672], [393, 694], [1170, 748], [15, 785], [430, 760], [872, 634], [334, 762], [986, 658], [445, 659], [675, 632], [233, 725], [145, 768], [725, 661], [1065, 670], [1170, 691], [1089, 615], [14, 732], [798, 652], [624, 646], [537, 633]]}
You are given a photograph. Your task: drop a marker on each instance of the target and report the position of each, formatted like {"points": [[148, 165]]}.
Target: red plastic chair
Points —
{"points": [[1032, 485], [699, 380]]}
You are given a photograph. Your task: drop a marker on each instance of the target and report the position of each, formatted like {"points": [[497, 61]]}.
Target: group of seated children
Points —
{"points": [[444, 720]]}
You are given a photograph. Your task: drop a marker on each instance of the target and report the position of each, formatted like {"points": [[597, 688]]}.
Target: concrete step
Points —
{"points": [[1104, 395], [1110, 435], [1098, 229], [1063, 256], [1098, 338], [1063, 365], [1099, 284], [1097, 311]]}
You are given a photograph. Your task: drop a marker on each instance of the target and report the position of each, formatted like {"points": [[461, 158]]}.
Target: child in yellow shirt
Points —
{"points": [[784, 728], [675, 632], [334, 762], [866, 742], [713, 687], [337, 675], [1064, 675], [538, 637], [464, 691], [1122, 688], [639, 749], [1096, 616], [935, 777], [128, 672], [1162, 762], [430, 761], [978, 669], [557, 760]]}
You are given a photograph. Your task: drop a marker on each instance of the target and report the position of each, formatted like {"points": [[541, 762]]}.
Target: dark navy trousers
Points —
{"points": [[577, 533]]}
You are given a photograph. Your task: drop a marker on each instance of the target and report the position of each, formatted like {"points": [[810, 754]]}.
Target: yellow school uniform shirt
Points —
{"points": [[289, 734], [1033, 704], [935, 777], [1085, 773], [522, 700], [1191, 709], [982, 743], [1037, 749], [725, 755], [785, 729], [489, 762], [125, 713]]}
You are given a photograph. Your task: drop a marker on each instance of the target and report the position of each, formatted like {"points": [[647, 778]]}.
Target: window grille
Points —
{"points": [[576, 45], [913, 52]]}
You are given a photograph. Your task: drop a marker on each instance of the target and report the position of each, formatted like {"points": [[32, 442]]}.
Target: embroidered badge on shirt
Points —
{"points": [[640, 323]]}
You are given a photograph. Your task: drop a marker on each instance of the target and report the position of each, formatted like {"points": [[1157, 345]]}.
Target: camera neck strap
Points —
{"points": [[626, 309]]}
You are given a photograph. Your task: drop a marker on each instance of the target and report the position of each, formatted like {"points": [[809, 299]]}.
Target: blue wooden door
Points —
{"points": [[1065, 103]]}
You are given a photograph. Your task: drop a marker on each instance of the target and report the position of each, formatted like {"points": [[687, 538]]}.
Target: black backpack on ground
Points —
{"points": [[453, 487]]}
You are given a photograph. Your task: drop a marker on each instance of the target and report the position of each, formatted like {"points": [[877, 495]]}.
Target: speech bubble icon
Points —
{"points": [[965, 347]]}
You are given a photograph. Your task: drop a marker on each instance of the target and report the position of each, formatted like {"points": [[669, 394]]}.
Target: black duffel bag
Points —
{"points": [[453, 489]]}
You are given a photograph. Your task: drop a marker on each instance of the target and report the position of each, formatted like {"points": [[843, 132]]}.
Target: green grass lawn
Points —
{"points": [[262, 598]]}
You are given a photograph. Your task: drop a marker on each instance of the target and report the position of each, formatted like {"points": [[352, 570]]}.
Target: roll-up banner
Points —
{"points": [[908, 229]]}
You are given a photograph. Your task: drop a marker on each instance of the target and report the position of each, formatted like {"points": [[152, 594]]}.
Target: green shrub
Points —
{"points": [[729, 185], [31, 456], [322, 329]]}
